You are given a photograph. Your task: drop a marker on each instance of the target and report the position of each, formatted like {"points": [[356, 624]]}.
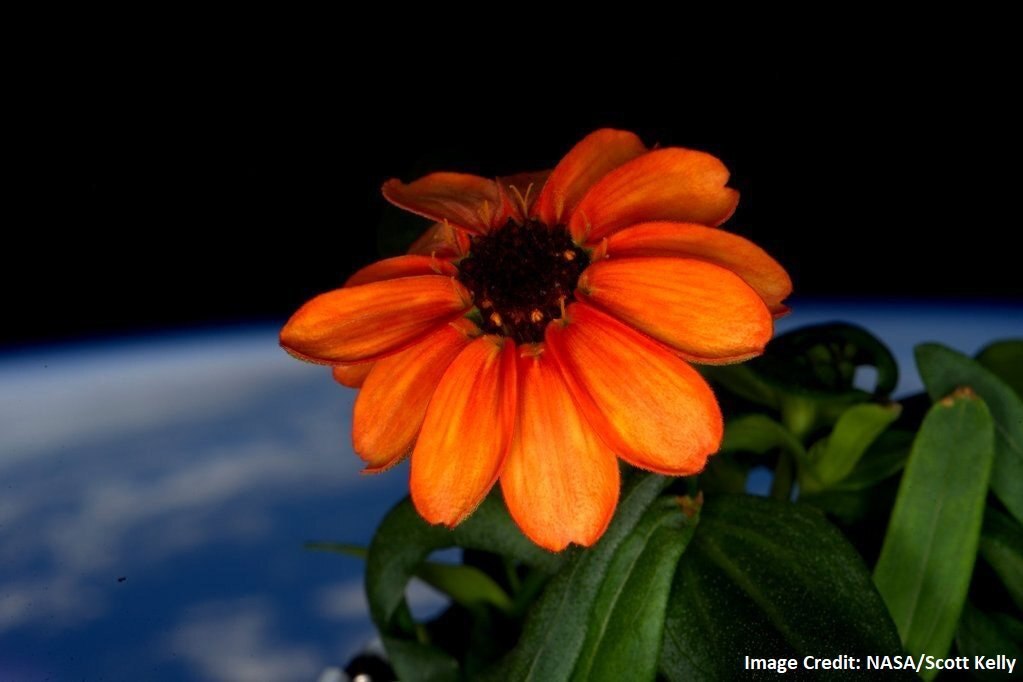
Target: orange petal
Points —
{"points": [[465, 437], [592, 158], [649, 406], [401, 266], [767, 277], [392, 403], [470, 202], [666, 184], [441, 240], [372, 320], [701, 310], [352, 376], [560, 480]]}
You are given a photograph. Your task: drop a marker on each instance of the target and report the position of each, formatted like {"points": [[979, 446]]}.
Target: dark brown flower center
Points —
{"points": [[521, 275]]}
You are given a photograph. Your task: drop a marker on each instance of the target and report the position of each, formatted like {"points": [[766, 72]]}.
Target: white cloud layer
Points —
{"points": [[120, 459], [237, 642]]}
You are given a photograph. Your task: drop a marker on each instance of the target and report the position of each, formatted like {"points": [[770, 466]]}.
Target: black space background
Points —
{"points": [[160, 191]]}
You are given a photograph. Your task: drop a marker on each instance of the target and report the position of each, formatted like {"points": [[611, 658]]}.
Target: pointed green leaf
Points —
{"points": [[766, 578], [561, 621], [867, 494], [833, 458], [943, 370], [624, 632], [1005, 360], [927, 557], [1001, 545], [883, 459]]}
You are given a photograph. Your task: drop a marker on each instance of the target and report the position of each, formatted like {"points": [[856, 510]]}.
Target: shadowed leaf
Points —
{"points": [[1005, 360], [765, 578], [1001, 546]]}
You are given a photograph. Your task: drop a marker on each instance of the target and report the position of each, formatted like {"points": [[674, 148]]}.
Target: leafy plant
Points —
{"points": [[889, 530]]}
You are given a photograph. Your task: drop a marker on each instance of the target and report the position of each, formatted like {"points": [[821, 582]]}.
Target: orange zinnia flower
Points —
{"points": [[533, 336]]}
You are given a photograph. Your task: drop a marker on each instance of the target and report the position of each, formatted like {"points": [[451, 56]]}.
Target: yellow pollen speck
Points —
{"points": [[536, 316], [486, 303], [495, 317], [569, 255]]}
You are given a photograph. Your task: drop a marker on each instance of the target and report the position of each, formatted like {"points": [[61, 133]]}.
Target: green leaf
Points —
{"points": [[760, 434], [466, 585], [883, 459], [1001, 546], [404, 540], [867, 509], [766, 578], [1005, 360], [625, 630], [413, 660], [564, 620], [743, 382], [943, 370], [866, 495], [808, 374], [927, 557], [986, 635], [397, 552], [833, 458]]}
